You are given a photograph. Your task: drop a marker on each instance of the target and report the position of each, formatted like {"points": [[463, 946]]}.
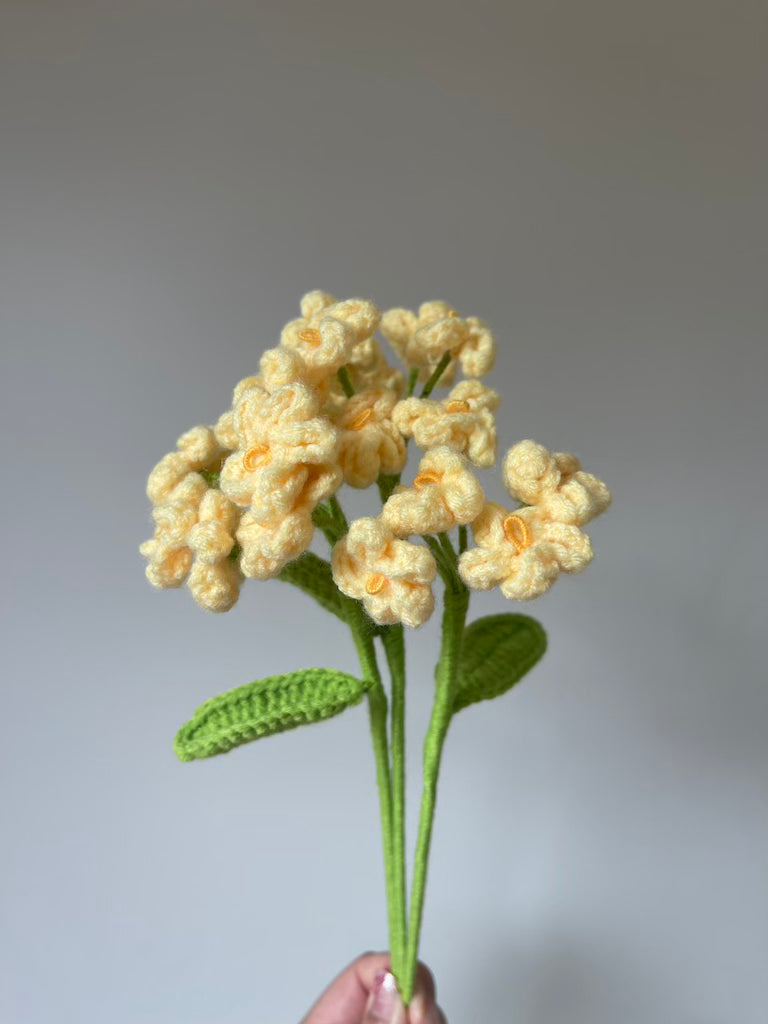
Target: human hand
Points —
{"points": [[365, 993]]}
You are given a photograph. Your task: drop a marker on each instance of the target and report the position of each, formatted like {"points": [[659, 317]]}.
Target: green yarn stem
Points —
{"points": [[346, 381], [462, 539], [393, 640], [454, 615], [445, 570], [412, 379], [437, 374], [377, 714]]}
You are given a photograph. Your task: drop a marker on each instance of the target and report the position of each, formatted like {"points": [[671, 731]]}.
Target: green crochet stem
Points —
{"points": [[437, 374], [454, 616], [377, 713], [393, 640]]}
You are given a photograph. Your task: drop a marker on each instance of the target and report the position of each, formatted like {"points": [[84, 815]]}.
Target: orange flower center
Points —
{"points": [[375, 583], [423, 479], [457, 405], [454, 313], [517, 532], [311, 335], [361, 419], [256, 457]]}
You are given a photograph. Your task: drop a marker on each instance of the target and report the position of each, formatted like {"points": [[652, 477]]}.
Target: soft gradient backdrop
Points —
{"points": [[589, 177]]}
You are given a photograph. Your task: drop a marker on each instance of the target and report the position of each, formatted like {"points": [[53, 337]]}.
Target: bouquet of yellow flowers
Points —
{"points": [[244, 498]]}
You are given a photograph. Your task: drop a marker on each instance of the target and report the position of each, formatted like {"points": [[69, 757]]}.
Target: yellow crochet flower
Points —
{"points": [[522, 551], [360, 314], [463, 421], [444, 494], [197, 450], [266, 548], [555, 483], [286, 453], [391, 577], [422, 339], [370, 442], [194, 535], [317, 344]]}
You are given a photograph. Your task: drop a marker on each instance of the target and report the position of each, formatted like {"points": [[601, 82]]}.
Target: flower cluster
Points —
{"points": [[525, 551], [241, 499]]}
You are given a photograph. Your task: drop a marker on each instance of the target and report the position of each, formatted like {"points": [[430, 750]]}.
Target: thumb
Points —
{"points": [[384, 1004]]}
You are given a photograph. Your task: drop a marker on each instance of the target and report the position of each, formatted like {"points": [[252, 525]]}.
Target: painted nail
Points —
{"points": [[385, 1003]]}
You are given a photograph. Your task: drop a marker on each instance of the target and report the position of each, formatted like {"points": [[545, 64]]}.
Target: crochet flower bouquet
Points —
{"points": [[244, 499]]}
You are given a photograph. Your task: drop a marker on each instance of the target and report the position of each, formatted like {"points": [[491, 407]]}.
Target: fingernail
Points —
{"points": [[385, 1003]]}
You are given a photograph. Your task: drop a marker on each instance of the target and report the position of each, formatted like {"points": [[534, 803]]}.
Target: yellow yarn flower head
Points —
{"points": [[463, 421], [391, 577], [370, 443], [444, 494], [266, 548], [286, 453], [194, 535], [522, 552], [196, 450], [555, 483], [422, 339]]}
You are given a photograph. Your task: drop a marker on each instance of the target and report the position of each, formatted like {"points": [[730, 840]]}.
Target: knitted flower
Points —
{"points": [[391, 577], [266, 548], [194, 535], [463, 421], [555, 483], [286, 452], [522, 551], [421, 340], [370, 442], [445, 494], [197, 451]]}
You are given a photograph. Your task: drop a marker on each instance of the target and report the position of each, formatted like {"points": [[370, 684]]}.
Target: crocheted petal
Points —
{"points": [[169, 567], [414, 603], [169, 472], [530, 472], [314, 303], [313, 440], [488, 529], [483, 568], [397, 326], [210, 542], [481, 444], [281, 367], [360, 314], [533, 572], [294, 403], [478, 353], [215, 587], [392, 450], [321, 482], [464, 498], [570, 546], [359, 458], [276, 492]]}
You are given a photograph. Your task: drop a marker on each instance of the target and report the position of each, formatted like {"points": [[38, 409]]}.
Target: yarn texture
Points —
{"points": [[248, 497]]}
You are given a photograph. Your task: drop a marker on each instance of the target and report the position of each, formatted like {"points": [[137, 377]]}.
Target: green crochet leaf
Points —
{"points": [[496, 653], [312, 574], [267, 707]]}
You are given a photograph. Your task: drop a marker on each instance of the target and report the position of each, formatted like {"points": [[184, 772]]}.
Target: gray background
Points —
{"points": [[588, 177]]}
